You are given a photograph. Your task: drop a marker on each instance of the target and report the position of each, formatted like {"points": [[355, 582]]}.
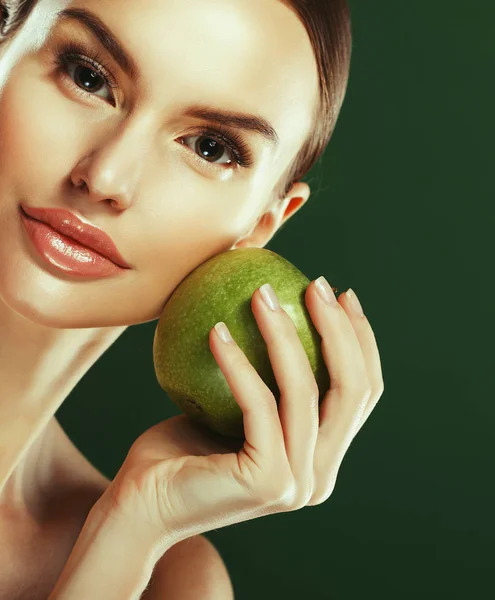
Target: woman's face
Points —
{"points": [[130, 157]]}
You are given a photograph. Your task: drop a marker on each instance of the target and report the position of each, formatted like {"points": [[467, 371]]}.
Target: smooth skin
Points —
{"points": [[178, 482], [125, 160]]}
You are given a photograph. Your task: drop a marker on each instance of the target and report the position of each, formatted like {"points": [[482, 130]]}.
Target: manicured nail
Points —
{"points": [[325, 291], [224, 333], [355, 304], [269, 296]]}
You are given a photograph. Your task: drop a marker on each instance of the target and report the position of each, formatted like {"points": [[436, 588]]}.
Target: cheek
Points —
{"points": [[189, 226], [36, 142], [187, 216]]}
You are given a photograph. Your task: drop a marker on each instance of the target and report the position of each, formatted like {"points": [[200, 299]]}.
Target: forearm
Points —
{"points": [[109, 560]]}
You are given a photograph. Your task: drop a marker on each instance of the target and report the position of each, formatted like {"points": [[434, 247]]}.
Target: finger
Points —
{"points": [[343, 404], [371, 355], [343, 357], [262, 428], [298, 404]]}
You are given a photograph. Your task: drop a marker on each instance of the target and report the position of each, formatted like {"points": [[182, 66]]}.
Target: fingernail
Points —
{"points": [[269, 296], [325, 291], [355, 304], [224, 333]]}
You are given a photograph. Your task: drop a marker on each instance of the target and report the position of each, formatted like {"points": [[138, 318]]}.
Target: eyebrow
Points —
{"points": [[238, 120], [106, 37]]}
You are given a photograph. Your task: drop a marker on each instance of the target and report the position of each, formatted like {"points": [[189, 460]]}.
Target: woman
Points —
{"points": [[181, 129]]}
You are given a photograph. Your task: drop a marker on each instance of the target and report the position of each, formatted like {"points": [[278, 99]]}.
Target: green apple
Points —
{"points": [[221, 289]]}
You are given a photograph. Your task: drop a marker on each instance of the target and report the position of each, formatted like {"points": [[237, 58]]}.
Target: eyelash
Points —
{"points": [[71, 52]]}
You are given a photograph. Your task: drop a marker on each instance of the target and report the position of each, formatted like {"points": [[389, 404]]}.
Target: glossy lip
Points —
{"points": [[70, 225]]}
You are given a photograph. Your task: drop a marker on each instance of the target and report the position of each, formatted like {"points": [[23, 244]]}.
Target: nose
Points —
{"points": [[111, 172]]}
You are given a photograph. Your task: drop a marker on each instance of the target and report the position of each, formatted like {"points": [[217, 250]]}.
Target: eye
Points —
{"points": [[211, 149], [86, 69], [213, 142], [89, 80]]}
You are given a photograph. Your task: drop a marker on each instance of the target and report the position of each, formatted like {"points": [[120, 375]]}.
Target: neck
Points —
{"points": [[39, 367]]}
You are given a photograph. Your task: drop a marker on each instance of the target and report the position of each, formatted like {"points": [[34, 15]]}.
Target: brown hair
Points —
{"points": [[328, 24], [13, 13]]}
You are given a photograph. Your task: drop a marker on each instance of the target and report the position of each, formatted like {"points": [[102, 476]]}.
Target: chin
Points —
{"points": [[29, 289], [41, 306], [45, 301], [49, 302]]}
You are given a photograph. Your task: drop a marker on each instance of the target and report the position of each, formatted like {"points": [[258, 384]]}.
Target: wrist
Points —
{"points": [[108, 560], [118, 511]]}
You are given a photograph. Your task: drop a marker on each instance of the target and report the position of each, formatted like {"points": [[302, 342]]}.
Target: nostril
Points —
{"points": [[80, 185]]}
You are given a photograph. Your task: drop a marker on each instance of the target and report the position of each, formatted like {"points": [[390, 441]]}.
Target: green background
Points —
{"points": [[402, 212]]}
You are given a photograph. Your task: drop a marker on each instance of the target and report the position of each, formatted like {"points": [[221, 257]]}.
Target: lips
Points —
{"points": [[73, 227]]}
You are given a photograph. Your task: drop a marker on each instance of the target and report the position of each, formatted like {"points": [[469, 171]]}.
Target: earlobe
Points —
{"points": [[273, 219]]}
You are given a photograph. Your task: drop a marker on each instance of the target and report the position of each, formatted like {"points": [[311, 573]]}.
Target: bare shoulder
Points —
{"points": [[189, 570]]}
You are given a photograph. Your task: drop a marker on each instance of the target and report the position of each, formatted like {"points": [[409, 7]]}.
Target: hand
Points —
{"points": [[179, 479]]}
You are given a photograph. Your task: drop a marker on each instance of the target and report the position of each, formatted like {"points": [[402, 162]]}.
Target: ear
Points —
{"points": [[278, 214]]}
